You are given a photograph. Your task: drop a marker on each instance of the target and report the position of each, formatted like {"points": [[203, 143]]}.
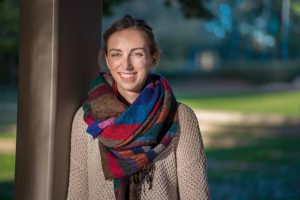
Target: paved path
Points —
{"points": [[7, 145], [249, 119], [261, 124]]}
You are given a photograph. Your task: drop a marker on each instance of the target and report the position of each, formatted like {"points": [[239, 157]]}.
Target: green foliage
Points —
{"points": [[9, 37], [108, 6], [9, 23], [296, 7], [190, 9]]}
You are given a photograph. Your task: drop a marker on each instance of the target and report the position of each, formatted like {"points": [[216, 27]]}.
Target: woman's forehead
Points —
{"points": [[127, 38]]}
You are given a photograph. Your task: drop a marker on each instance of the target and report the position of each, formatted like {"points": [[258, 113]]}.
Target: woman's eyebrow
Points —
{"points": [[138, 48], [134, 49], [115, 50]]}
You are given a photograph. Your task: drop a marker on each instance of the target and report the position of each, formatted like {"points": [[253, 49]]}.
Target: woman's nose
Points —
{"points": [[127, 63]]}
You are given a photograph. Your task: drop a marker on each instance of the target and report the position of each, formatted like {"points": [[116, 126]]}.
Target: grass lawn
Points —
{"points": [[7, 171], [264, 168], [7, 166], [8, 135], [285, 103]]}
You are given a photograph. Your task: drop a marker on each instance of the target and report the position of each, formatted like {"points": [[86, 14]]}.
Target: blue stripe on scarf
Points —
{"points": [[151, 154], [151, 134], [139, 110], [94, 129], [137, 150]]}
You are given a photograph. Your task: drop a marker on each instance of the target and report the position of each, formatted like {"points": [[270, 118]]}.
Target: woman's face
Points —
{"points": [[129, 60]]}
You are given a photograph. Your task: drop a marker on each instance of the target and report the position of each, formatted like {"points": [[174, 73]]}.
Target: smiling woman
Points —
{"points": [[131, 139]]}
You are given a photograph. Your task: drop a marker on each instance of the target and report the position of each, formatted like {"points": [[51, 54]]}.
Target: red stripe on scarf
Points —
{"points": [[166, 85], [166, 140], [89, 121], [119, 131], [114, 166]]}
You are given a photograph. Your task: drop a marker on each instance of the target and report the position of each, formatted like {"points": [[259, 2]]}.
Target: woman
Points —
{"points": [[131, 139]]}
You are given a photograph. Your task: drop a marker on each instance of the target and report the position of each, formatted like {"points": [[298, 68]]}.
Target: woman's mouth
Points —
{"points": [[127, 75]]}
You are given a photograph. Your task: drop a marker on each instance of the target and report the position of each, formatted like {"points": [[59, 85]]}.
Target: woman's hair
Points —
{"points": [[129, 22]]}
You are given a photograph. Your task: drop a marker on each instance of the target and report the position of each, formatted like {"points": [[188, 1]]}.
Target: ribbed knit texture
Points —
{"points": [[180, 170]]}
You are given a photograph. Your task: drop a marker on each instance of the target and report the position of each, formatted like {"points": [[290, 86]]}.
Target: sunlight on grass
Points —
{"points": [[7, 167], [11, 135], [285, 103]]}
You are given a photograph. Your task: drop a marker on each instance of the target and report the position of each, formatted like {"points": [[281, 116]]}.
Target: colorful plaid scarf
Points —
{"points": [[130, 137]]}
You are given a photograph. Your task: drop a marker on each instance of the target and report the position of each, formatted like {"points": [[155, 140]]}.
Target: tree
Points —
{"points": [[189, 8], [9, 32]]}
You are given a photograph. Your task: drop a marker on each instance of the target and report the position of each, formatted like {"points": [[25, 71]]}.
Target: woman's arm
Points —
{"points": [[78, 177], [191, 161]]}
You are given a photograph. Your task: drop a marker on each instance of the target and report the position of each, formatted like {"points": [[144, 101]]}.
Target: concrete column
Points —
{"points": [[59, 42]]}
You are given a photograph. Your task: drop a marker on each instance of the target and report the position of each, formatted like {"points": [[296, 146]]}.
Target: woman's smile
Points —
{"points": [[127, 75]]}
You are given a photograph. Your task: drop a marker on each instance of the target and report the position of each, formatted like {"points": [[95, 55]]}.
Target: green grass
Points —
{"points": [[10, 135], [285, 103], [7, 167], [266, 150], [263, 168], [7, 171]]}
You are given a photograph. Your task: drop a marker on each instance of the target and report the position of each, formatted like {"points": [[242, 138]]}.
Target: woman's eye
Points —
{"points": [[138, 54], [116, 55]]}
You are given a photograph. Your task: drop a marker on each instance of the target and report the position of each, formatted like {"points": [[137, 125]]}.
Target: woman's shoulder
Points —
{"points": [[186, 113], [189, 130], [78, 116], [78, 124], [190, 143]]}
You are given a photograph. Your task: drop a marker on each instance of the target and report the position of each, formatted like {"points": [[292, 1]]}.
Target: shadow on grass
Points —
{"points": [[6, 190], [256, 167]]}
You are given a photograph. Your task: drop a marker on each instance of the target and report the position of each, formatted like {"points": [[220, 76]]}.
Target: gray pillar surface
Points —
{"points": [[59, 42]]}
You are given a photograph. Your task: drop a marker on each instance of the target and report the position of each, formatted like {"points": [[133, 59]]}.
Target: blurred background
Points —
{"points": [[235, 62]]}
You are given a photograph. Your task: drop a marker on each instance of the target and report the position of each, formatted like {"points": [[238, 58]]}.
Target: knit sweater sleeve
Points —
{"points": [[78, 176], [191, 161]]}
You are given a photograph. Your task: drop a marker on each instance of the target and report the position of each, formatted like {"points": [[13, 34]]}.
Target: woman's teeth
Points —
{"points": [[126, 75]]}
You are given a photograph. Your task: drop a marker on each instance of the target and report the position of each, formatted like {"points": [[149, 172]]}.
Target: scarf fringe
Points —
{"points": [[144, 176]]}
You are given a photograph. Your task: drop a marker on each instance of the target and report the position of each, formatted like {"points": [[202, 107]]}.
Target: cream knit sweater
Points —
{"points": [[180, 171]]}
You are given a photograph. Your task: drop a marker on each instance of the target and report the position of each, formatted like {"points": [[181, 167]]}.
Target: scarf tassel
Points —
{"points": [[138, 179]]}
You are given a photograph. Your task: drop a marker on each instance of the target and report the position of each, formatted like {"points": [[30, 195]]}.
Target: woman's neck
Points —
{"points": [[128, 96]]}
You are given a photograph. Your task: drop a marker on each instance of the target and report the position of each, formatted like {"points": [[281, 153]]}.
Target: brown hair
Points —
{"points": [[129, 22]]}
